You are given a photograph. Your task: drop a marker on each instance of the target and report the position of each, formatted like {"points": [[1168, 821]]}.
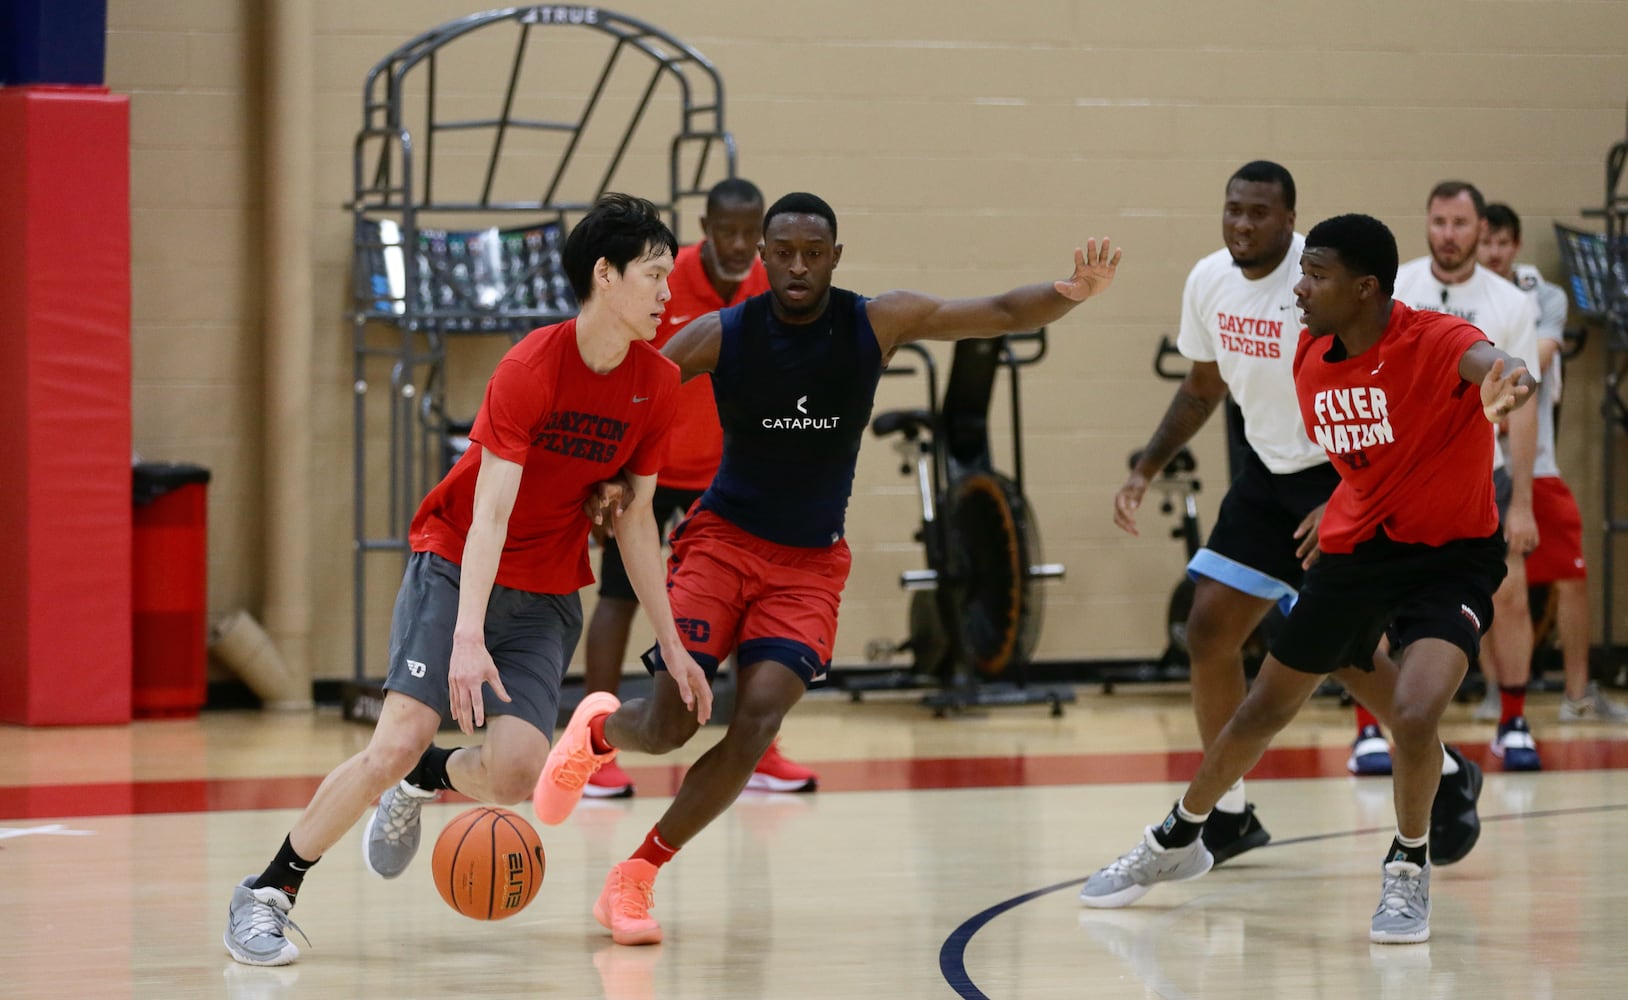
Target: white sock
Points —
{"points": [[1233, 800], [1183, 814], [1411, 841], [1448, 764]]}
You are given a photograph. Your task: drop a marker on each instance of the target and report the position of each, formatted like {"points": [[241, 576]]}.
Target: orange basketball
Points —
{"points": [[488, 863]]}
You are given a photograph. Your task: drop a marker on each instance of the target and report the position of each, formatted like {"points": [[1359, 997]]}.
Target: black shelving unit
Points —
{"points": [[1596, 265]]}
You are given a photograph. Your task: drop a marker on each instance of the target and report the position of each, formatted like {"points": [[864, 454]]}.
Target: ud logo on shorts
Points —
{"points": [[694, 629], [415, 668]]}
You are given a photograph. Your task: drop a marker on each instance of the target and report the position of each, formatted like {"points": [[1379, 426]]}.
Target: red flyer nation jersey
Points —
{"points": [[1406, 433]]}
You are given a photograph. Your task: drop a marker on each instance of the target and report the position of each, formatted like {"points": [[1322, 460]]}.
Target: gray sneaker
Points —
{"points": [[1129, 879], [255, 924], [391, 837], [1403, 916], [1593, 706]]}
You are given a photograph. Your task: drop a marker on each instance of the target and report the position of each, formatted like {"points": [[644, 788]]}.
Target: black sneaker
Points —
{"points": [[1455, 825], [1228, 835]]}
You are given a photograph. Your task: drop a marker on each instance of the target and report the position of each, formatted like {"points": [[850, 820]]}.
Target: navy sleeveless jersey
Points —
{"points": [[794, 401]]}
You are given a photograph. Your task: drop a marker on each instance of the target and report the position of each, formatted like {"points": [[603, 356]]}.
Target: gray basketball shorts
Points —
{"points": [[531, 638]]}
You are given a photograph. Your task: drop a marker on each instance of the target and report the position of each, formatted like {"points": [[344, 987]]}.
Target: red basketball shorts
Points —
{"points": [[1559, 555], [732, 591]]}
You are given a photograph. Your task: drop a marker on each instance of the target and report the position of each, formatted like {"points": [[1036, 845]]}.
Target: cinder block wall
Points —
{"points": [[966, 148]]}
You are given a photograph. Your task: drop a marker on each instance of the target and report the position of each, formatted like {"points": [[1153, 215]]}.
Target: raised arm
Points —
{"points": [[902, 316], [695, 348]]}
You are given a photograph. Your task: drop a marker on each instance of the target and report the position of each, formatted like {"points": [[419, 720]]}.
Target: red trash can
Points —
{"points": [[169, 590]]}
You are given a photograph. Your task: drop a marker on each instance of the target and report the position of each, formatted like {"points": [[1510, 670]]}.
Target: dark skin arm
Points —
{"points": [[695, 348], [902, 316], [1501, 394], [1196, 398]]}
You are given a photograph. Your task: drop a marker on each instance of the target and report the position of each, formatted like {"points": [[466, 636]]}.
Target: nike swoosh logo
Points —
{"points": [[680, 320], [640, 399]]}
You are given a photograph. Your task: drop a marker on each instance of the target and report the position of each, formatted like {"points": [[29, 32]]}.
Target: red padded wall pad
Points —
{"points": [[65, 494]]}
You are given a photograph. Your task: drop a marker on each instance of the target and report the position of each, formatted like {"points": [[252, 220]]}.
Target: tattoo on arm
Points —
{"points": [[1187, 413]]}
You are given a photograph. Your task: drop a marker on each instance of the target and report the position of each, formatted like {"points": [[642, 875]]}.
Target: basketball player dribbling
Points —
{"points": [[499, 551]]}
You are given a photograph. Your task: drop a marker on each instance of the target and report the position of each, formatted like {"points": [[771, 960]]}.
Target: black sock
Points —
{"points": [[285, 872], [1175, 831], [1413, 855], [431, 772]]}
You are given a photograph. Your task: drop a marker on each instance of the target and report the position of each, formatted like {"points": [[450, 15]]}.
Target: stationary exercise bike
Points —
{"points": [[1178, 485], [975, 610]]}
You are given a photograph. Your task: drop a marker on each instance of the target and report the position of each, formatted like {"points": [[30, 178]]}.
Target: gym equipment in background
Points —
{"points": [[976, 609]]}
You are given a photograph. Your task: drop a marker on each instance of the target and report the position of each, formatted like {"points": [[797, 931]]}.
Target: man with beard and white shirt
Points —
{"points": [[1450, 280], [1239, 328]]}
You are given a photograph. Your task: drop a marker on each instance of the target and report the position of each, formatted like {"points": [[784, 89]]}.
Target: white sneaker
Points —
{"points": [[1593, 706], [1143, 866]]}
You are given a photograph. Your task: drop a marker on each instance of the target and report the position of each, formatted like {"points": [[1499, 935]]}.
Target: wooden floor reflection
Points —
{"points": [[941, 858]]}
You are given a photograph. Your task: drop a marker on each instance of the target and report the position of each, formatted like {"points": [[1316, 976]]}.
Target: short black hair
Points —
{"points": [[802, 203], [1501, 216], [620, 228], [1267, 172], [734, 190], [1365, 246], [1452, 189]]}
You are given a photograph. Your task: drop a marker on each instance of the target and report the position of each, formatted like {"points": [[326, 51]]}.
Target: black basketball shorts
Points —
{"points": [[1347, 601], [1252, 547]]}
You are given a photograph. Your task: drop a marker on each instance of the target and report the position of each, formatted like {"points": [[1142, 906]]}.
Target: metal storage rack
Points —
{"points": [[444, 248], [1597, 279]]}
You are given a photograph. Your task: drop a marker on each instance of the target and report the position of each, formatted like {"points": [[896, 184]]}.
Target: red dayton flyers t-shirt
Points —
{"points": [[697, 440], [1405, 432], [570, 428]]}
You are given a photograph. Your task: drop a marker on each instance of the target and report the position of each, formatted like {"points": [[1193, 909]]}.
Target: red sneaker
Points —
{"points": [[609, 782], [624, 904], [774, 773], [572, 761]]}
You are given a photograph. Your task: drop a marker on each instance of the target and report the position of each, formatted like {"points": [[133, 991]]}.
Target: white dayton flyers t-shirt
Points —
{"points": [[1250, 329], [1500, 310]]}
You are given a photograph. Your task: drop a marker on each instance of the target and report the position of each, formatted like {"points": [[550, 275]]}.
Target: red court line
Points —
{"points": [[134, 798]]}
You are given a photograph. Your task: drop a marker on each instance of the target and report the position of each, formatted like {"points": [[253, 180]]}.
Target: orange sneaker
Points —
{"points": [[775, 773], [624, 904], [572, 761], [609, 782]]}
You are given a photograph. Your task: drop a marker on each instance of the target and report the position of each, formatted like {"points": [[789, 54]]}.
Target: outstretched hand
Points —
{"points": [[1094, 270], [1501, 394]]}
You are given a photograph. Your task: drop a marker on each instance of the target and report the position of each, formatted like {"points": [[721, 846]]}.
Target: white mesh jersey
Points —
{"points": [[1250, 329], [1551, 304], [1503, 312]]}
